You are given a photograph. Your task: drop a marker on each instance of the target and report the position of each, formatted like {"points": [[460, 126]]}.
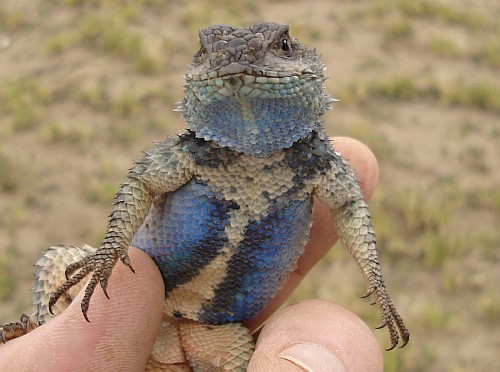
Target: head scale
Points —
{"points": [[254, 89]]}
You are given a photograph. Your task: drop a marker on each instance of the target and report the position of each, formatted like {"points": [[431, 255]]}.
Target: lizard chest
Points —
{"points": [[225, 240]]}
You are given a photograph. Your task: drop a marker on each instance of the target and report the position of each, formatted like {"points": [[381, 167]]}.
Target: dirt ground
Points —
{"points": [[86, 85]]}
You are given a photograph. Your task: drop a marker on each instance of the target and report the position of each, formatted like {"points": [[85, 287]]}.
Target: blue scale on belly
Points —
{"points": [[269, 250], [184, 231]]}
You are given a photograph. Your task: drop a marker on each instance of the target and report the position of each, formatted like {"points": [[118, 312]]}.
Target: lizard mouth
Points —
{"points": [[236, 69], [253, 86], [249, 81]]}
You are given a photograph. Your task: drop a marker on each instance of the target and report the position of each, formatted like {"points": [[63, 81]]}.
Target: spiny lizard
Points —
{"points": [[224, 209]]}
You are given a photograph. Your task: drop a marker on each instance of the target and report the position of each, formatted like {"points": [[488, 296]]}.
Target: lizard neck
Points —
{"points": [[256, 119]]}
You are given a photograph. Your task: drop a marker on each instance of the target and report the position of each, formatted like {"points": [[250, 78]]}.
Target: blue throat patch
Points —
{"points": [[258, 127], [257, 116]]}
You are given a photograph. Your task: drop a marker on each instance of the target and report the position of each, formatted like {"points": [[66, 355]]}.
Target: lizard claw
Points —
{"points": [[391, 319], [76, 266], [104, 284], [393, 345], [405, 340], [369, 292], [54, 297], [126, 261], [101, 263], [89, 291]]}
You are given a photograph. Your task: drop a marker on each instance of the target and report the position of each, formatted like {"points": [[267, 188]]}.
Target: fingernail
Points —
{"points": [[312, 358]]}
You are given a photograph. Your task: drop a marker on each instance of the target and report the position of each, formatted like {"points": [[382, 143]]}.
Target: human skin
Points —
{"points": [[311, 335]]}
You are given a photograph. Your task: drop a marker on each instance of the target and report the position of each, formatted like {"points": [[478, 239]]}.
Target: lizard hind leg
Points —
{"points": [[16, 329], [50, 275], [168, 354], [185, 345]]}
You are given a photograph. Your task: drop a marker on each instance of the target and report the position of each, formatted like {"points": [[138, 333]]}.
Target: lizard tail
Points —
{"points": [[50, 274]]}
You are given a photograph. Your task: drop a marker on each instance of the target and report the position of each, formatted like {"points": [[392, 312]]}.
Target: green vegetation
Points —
{"points": [[7, 277], [12, 20], [128, 105], [475, 158], [59, 43], [99, 191], [398, 30], [485, 198], [97, 96], [480, 95], [112, 5], [433, 317], [443, 47], [213, 11], [56, 132], [399, 88], [124, 134], [307, 33], [110, 36], [489, 307], [108, 30], [23, 102], [488, 54], [415, 213], [365, 132], [442, 12], [10, 172]]}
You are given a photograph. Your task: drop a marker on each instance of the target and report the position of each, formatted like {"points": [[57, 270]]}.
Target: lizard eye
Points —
{"points": [[284, 46]]}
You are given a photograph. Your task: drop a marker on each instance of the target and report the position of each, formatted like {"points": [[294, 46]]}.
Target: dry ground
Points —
{"points": [[85, 85]]}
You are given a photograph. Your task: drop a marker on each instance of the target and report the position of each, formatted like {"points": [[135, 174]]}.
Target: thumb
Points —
{"points": [[316, 335]]}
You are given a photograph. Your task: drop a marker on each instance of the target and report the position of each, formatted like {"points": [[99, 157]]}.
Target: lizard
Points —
{"points": [[224, 209]]}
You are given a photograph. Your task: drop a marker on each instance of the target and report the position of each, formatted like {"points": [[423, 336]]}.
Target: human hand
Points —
{"points": [[119, 336], [313, 335]]}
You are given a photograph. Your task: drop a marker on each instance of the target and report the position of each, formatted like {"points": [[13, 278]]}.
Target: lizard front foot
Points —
{"points": [[101, 263]]}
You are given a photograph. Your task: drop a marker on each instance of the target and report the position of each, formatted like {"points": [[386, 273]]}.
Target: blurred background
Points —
{"points": [[86, 85]]}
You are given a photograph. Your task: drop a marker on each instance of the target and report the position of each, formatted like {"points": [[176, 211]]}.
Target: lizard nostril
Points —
{"points": [[232, 80], [233, 83]]}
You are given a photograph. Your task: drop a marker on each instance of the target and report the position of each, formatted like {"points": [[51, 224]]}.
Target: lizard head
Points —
{"points": [[254, 89], [265, 49]]}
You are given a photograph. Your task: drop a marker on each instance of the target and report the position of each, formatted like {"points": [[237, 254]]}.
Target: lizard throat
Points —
{"points": [[255, 115]]}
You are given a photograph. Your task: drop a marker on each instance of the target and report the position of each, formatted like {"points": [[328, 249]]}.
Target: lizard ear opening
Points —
{"points": [[199, 57]]}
